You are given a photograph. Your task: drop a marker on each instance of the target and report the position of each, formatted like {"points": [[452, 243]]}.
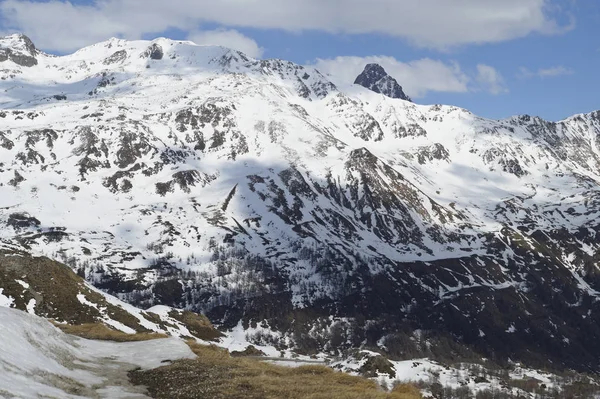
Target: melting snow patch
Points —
{"points": [[81, 298], [23, 284], [31, 306], [5, 301], [34, 355]]}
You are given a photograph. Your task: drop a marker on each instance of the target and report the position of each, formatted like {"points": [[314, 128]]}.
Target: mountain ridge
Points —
{"points": [[114, 41]]}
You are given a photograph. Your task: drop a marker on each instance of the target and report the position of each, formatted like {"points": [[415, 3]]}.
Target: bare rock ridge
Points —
{"points": [[375, 78]]}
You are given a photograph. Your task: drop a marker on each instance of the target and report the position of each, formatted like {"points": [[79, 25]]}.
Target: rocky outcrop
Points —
{"points": [[376, 79], [154, 52], [18, 49]]}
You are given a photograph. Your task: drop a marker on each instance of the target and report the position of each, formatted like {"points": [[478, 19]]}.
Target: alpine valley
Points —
{"points": [[323, 219]]}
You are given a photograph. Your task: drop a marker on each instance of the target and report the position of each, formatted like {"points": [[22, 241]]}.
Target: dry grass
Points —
{"points": [[101, 332], [215, 374], [408, 390], [197, 324], [55, 287]]}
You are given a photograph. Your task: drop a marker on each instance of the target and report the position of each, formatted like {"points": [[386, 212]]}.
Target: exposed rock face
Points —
{"points": [[116, 57], [375, 78], [18, 49], [154, 52]]}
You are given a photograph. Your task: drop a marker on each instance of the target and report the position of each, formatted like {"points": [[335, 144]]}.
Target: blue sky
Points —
{"points": [[495, 57]]}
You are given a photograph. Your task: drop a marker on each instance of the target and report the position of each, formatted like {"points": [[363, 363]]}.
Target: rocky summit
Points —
{"points": [[19, 49], [259, 193], [375, 78]]}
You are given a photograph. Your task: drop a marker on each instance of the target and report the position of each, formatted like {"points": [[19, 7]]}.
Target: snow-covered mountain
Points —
{"points": [[256, 190]]}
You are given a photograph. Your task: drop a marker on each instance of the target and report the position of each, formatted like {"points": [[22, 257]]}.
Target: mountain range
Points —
{"points": [[337, 217]]}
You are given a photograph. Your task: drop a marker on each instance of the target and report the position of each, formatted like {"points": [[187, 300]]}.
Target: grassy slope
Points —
{"points": [[214, 374], [55, 288], [101, 332]]}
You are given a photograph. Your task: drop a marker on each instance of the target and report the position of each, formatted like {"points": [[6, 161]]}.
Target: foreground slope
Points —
{"points": [[38, 360], [194, 176], [46, 288]]}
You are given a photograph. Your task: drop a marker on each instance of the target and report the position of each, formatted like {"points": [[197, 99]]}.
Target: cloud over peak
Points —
{"points": [[419, 77], [439, 24], [228, 38]]}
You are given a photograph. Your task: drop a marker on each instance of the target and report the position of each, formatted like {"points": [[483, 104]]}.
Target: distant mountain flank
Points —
{"points": [[259, 193]]}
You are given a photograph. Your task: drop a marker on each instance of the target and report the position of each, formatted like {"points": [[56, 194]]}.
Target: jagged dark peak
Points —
{"points": [[19, 49], [376, 79]]}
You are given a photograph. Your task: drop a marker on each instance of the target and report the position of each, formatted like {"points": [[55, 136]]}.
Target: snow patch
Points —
{"points": [[33, 354], [5, 301]]}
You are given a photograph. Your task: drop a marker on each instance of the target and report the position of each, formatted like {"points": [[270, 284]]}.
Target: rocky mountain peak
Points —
{"points": [[18, 42], [375, 78], [19, 49]]}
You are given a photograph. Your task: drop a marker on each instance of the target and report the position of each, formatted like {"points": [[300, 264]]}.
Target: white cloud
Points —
{"points": [[419, 77], [228, 38], [441, 24], [490, 80], [545, 72]]}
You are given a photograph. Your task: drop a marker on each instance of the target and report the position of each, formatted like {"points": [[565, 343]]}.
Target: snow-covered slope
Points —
{"points": [[38, 360], [194, 176]]}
